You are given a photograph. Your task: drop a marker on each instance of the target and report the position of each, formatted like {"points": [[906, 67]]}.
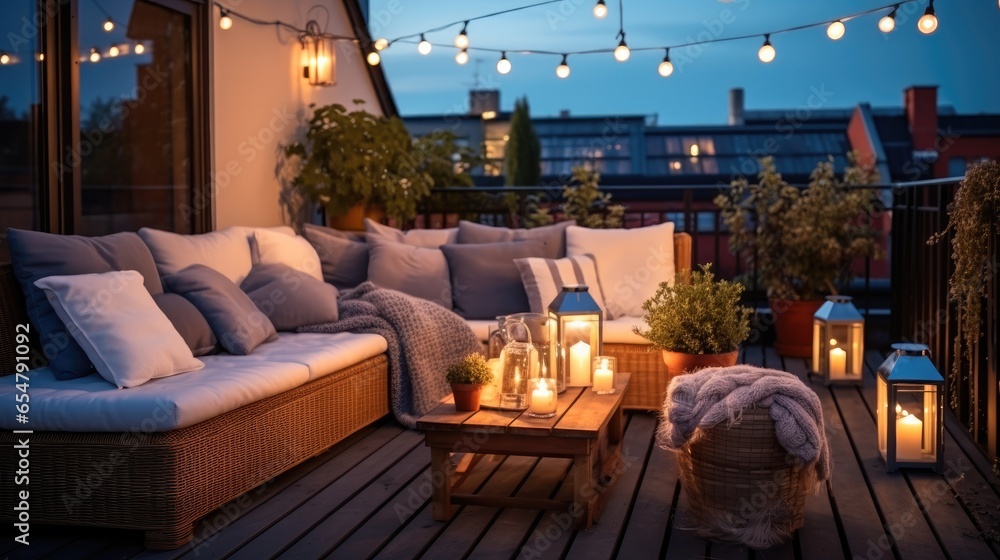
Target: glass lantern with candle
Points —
{"points": [[575, 325], [541, 397], [838, 341], [910, 409], [519, 360]]}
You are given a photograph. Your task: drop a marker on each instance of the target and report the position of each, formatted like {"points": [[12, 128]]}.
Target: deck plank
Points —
{"points": [[683, 543], [651, 513], [279, 536]]}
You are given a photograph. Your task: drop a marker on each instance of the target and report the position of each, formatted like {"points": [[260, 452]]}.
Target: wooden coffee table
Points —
{"points": [[587, 428]]}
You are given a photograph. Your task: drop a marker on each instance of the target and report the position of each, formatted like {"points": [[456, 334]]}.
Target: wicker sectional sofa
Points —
{"points": [[163, 482]]}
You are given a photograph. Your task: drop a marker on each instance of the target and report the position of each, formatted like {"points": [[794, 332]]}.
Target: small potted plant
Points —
{"points": [[696, 324], [467, 378]]}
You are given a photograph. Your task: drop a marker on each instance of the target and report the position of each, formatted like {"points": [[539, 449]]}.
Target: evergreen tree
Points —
{"points": [[522, 161]]}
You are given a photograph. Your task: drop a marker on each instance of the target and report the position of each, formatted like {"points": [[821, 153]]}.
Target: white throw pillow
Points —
{"points": [[119, 326], [295, 252], [631, 263], [426, 238], [544, 279], [226, 251]]}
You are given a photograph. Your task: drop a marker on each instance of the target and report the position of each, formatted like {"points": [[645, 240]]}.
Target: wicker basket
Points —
{"points": [[741, 485], [648, 385]]}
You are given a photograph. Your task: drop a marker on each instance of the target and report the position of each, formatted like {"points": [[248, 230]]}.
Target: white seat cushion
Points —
{"points": [[227, 382]]}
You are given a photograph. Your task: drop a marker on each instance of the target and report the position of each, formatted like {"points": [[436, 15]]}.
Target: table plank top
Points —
{"points": [[580, 412]]}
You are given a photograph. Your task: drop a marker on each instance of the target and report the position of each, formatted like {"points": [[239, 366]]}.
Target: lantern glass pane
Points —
{"points": [[819, 339], [857, 348], [916, 421], [882, 411], [580, 343]]}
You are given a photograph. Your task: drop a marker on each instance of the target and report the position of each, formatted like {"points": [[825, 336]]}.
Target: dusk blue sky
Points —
{"points": [[962, 57]]}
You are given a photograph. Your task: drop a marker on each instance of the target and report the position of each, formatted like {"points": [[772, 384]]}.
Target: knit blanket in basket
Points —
{"points": [[423, 337], [720, 394]]}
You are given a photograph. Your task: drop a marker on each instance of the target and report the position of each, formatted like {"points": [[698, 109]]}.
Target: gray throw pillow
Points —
{"points": [[290, 298], [485, 282], [554, 236], [343, 258], [418, 271], [189, 322], [235, 320], [36, 255]]}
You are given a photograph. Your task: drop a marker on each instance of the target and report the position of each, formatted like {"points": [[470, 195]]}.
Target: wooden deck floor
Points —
{"points": [[368, 498]]}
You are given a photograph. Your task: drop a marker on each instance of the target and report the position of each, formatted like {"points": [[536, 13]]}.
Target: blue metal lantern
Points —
{"points": [[910, 397], [838, 341]]}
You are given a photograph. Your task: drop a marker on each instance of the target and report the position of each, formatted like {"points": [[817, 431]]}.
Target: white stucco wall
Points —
{"points": [[261, 101]]}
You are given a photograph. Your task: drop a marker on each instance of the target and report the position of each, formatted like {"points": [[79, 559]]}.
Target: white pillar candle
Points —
{"points": [[838, 362], [579, 364], [533, 364], [604, 378], [543, 398], [909, 436]]}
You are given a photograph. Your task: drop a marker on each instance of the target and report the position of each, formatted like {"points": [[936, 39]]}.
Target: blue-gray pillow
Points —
{"points": [[554, 236], [237, 323], [342, 256], [36, 255], [290, 298], [485, 282], [189, 323], [418, 271]]}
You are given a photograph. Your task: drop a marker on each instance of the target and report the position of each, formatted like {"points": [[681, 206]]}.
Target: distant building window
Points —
{"points": [[956, 167]]}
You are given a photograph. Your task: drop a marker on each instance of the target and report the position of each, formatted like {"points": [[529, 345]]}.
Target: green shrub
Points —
{"points": [[472, 370]]}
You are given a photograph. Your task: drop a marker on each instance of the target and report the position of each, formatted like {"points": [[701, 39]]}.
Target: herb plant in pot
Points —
{"points": [[467, 378], [804, 241], [696, 324]]}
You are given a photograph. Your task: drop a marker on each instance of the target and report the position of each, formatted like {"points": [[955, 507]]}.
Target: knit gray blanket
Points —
{"points": [[424, 339], [720, 394]]}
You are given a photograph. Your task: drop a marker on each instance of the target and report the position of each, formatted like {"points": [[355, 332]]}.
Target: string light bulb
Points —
{"points": [[563, 69], [225, 22], [462, 57], [109, 24], [888, 23], [928, 23], [601, 9], [139, 48], [114, 51], [622, 51], [503, 65], [373, 58], [95, 56], [40, 56], [462, 39], [424, 46], [4, 58], [381, 44], [766, 52], [836, 30], [666, 67]]}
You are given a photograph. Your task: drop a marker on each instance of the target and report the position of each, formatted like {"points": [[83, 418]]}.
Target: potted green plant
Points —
{"points": [[804, 242], [359, 164], [974, 220], [467, 378], [696, 324]]}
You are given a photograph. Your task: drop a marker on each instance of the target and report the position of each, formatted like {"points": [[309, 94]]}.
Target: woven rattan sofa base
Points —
{"points": [[648, 385], [163, 483]]}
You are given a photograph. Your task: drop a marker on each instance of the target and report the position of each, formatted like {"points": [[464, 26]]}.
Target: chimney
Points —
{"points": [[564, 113], [736, 107], [920, 104], [484, 100]]}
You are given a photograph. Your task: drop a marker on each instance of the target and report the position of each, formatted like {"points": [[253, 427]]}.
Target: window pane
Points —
{"points": [[20, 123], [135, 117]]}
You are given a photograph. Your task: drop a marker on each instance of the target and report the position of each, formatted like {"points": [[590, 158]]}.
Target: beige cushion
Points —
{"points": [[118, 325], [226, 251], [427, 238], [631, 263], [544, 279], [270, 247]]}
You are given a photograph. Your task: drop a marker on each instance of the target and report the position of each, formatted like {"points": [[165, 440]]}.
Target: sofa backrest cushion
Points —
{"points": [[427, 238], [188, 322], [343, 257], [235, 320], [226, 251], [554, 236], [117, 323], [418, 271], [269, 247], [290, 298], [36, 255], [631, 263], [485, 281], [544, 279]]}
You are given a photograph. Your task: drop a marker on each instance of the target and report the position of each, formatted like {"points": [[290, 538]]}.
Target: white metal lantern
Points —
{"points": [[910, 409], [838, 341], [575, 330]]}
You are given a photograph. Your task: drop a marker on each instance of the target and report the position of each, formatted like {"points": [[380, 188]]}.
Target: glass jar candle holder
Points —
{"points": [[604, 375], [542, 397]]}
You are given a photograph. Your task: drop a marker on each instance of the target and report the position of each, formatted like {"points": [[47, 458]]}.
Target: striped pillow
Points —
{"points": [[544, 279]]}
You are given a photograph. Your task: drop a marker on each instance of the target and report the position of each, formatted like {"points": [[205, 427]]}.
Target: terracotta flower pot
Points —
{"points": [[680, 362], [354, 219], [466, 396], [793, 326]]}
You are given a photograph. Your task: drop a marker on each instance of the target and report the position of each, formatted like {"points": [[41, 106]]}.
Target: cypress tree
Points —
{"points": [[522, 160]]}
